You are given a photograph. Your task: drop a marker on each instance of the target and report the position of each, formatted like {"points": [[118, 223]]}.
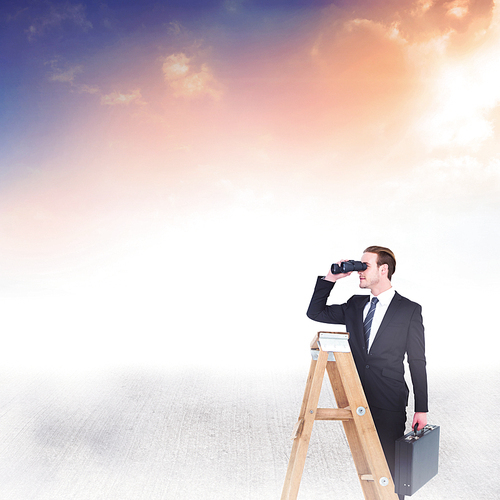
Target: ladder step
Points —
{"points": [[333, 414]]}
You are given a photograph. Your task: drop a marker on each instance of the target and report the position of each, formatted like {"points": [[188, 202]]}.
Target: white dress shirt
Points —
{"points": [[384, 299]]}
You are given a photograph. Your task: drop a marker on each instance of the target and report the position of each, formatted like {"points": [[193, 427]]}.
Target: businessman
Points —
{"points": [[383, 328]]}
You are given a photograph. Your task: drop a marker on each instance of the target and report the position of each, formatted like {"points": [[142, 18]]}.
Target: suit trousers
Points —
{"points": [[390, 426]]}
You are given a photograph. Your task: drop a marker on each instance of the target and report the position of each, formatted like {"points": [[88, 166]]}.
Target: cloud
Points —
{"points": [[464, 92], [187, 82], [87, 89], [423, 19], [175, 67], [175, 28], [440, 84], [421, 7], [233, 5], [56, 16], [457, 8], [67, 76], [118, 98], [360, 64]]}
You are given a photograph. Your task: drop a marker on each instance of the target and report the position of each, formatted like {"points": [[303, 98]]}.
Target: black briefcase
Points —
{"points": [[417, 457]]}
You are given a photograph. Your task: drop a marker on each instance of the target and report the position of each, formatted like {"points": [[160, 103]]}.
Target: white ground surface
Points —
{"points": [[137, 434]]}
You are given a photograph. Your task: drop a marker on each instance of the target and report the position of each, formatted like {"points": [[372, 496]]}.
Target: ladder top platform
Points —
{"points": [[331, 342]]}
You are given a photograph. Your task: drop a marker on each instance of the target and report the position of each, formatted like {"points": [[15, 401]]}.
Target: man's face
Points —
{"points": [[370, 277]]}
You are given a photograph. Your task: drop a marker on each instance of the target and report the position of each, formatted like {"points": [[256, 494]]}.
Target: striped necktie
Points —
{"points": [[367, 325]]}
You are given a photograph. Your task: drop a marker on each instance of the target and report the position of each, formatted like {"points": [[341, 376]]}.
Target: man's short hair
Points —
{"points": [[384, 256]]}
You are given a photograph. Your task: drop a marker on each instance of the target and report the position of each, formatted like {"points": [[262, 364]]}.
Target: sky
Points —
{"points": [[174, 175]]}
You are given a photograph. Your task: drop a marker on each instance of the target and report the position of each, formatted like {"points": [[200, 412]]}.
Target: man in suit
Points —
{"points": [[380, 337]]}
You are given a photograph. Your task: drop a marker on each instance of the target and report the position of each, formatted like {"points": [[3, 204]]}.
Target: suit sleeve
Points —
{"points": [[319, 311], [416, 359]]}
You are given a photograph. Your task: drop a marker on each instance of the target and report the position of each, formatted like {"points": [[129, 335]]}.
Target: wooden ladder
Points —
{"points": [[330, 351]]}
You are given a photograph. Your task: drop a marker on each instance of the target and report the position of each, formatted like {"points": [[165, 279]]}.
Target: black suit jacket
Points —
{"points": [[382, 370]]}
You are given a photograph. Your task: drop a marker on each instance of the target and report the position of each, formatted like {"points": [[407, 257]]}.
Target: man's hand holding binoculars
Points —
{"points": [[344, 268]]}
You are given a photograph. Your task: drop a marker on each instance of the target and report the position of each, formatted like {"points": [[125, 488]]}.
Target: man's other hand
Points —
{"points": [[419, 418]]}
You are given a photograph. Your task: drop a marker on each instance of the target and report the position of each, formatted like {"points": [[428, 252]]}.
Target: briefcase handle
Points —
{"points": [[416, 431]]}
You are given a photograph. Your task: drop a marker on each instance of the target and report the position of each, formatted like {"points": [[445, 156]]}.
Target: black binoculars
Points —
{"points": [[348, 266]]}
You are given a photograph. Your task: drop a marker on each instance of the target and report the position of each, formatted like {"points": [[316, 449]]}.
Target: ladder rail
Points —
{"points": [[354, 413]]}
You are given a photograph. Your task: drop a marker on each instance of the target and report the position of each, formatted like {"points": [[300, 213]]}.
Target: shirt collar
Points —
{"points": [[385, 298]]}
